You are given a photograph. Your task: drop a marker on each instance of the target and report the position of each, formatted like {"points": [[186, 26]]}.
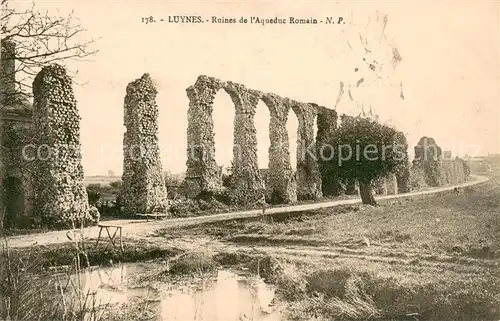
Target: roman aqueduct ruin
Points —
{"points": [[282, 184], [53, 187]]}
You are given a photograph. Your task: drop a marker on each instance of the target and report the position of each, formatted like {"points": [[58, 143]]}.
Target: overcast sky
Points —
{"points": [[449, 71]]}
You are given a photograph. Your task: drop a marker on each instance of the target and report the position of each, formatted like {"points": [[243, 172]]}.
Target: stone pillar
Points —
{"points": [[327, 123], [428, 155], [7, 70], [143, 190], [60, 195], [281, 184], [202, 173], [308, 175], [246, 176]]}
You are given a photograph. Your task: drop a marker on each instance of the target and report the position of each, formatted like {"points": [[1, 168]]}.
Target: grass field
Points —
{"points": [[430, 259], [103, 180]]}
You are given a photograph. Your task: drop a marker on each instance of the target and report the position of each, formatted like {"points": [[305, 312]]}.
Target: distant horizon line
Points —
{"points": [[183, 172]]}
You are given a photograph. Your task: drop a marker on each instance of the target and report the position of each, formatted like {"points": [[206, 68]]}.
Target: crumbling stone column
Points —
{"points": [[202, 171], [327, 123], [281, 186], [143, 189], [246, 176], [454, 171], [60, 195], [428, 156], [7, 72], [308, 175]]}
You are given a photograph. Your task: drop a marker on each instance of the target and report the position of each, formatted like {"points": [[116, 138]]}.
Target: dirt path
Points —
{"points": [[139, 228]]}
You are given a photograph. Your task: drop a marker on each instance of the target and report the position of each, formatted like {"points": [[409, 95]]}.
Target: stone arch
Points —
{"points": [[14, 197], [292, 128], [202, 172], [246, 175], [262, 125], [223, 118]]}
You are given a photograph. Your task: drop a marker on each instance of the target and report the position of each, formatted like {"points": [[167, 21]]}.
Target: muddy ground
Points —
{"points": [[434, 258]]}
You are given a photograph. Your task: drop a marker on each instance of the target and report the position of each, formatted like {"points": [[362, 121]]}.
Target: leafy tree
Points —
{"points": [[116, 185], [363, 149], [94, 194]]}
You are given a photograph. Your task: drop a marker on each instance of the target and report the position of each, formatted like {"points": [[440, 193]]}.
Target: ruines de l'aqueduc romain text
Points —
{"points": [[333, 20]]}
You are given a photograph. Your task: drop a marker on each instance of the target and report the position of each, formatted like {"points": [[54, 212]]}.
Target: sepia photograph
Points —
{"points": [[248, 160]]}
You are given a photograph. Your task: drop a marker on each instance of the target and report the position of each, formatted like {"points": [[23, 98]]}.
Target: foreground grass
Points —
{"points": [[435, 258], [58, 255]]}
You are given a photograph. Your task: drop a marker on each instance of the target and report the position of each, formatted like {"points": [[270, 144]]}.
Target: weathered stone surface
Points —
{"points": [[202, 171], [281, 182], [327, 123], [143, 189], [7, 72], [308, 175], [281, 185], [455, 171], [246, 176], [427, 149], [60, 194], [428, 156], [16, 132]]}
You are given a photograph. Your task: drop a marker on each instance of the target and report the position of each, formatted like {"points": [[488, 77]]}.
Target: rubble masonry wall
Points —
{"points": [[308, 175], [143, 189], [60, 197]]}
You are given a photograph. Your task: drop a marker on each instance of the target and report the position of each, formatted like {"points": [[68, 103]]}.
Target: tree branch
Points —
{"points": [[41, 39]]}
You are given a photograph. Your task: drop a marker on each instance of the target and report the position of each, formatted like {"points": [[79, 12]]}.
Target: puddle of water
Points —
{"points": [[228, 297]]}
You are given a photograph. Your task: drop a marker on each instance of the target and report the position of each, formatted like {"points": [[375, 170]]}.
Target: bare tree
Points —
{"points": [[34, 38], [30, 39]]}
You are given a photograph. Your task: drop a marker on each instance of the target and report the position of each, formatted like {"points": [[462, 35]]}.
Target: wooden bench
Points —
{"points": [[155, 215], [111, 237]]}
